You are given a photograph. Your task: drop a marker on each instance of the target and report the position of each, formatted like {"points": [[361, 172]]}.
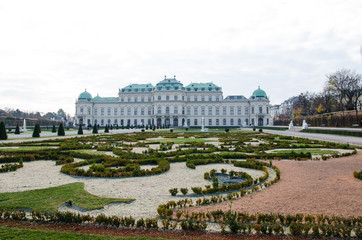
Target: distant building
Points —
{"points": [[169, 103]]}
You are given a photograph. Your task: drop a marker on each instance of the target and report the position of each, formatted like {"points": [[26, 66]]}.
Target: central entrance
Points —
{"points": [[175, 122], [167, 122]]}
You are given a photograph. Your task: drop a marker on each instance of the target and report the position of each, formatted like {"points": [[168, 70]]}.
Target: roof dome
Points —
{"points": [[259, 93], [85, 96]]}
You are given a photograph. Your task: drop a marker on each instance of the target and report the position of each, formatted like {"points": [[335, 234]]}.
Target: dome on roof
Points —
{"points": [[85, 96], [259, 93], [97, 98]]}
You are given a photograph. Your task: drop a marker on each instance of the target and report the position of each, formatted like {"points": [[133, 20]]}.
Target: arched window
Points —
{"points": [[224, 122], [232, 122]]}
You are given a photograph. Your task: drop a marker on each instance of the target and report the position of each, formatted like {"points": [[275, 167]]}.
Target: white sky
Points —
{"points": [[50, 51]]}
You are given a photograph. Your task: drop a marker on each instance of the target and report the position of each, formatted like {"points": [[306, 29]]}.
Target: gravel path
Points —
{"points": [[309, 187]]}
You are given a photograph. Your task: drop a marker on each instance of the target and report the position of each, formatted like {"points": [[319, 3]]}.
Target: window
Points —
{"points": [[260, 109], [247, 122], [203, 111], [210, 99], [102, 122], [267, 110], [252, 121], [196, 111], [239, 122], [167, 98], [232, 122], [252, 110], [175, 110], [210, 111], [109, 121], [89, 111], [142, 99], [159, 110], [129, 111], [122, 99], [176, 97], [109, 111], [149, 111], [81, 110], [195, 98], [224, 122], [217, 122], [135, 99], [267, 121], [189, 111], [115, 111], [217, 99], [149, 99], [167, 110], [231, 110], [188, 122], [217, 112], [135, 111], [149, 122], [129, 99], [122, 111], [96, 111], [210, 122], [195, 122], [135, 122], [188, 99], [159, 98], [142, 111], [246, 110], [102, 111], [239, 110], [203, 99], [224, 111]]}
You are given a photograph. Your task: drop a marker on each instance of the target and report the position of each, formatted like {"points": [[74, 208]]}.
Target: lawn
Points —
{"points": [[50, 199], [17, 233], [179, 140], [27, 148], [311, 150], [90, 151]]}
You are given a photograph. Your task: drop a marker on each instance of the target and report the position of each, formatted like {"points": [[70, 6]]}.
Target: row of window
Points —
{"points": [[209, 122], [171, 98], [176, 111]]}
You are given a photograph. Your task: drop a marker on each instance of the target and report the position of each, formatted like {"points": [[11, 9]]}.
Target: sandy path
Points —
{"points": [[309, 187]]}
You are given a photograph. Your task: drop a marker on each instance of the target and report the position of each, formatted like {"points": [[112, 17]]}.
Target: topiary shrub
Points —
{"points": [[3, 135], [173, 191], [17, 129], [36, 131], [227, 130], [54, 130], [171, 130], [106, 130], [184, 191], [95, 129], [80, 129], [61, 130], [260, 130]]}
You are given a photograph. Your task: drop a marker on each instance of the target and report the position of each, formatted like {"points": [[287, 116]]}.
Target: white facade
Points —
{"points": [[169, 103]]}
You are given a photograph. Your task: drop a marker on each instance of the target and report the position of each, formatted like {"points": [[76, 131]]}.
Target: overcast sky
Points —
{"points": [[50, 51]]}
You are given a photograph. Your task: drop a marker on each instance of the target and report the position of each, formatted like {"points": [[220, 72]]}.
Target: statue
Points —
{"points": [[305, 125], [291, 124]]}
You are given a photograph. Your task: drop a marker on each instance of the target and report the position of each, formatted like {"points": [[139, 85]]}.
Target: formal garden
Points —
{"points": [[150, 179]]}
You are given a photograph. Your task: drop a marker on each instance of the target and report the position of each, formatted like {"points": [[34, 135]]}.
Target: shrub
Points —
{"points": [[173, 191], [80, 129], [17, 129], [36, 131], [358, 175], [171, 130], [61, 130], [197, 190], [95, 129], [106, 130], [184, 191], [260, 130], [3, 135], [54, 130], [227, 130]]}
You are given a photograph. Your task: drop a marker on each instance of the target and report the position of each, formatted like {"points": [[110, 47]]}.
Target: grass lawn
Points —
{"points": [[90, 151], [179, 140], [311, 150], [17, 233], [50, 199], [27, 148]]}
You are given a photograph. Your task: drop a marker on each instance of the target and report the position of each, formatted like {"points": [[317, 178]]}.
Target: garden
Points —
{"points": [[150, 179]]}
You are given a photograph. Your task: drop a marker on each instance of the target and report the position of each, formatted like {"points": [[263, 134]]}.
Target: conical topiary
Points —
{"points": [[106, 130], [61, 130], [54, 130], [17, 129], [80, 129], [95, 129], [36, 131], [3, 135]]}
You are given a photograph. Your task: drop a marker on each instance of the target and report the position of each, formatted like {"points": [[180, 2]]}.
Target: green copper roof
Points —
{"points": [[259, 93], [138, 88], [202, 87], [85, 96], [169, 84]]}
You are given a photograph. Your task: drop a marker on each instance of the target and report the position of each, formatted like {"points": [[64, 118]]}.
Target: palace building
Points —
{"points": [[170, 103]]}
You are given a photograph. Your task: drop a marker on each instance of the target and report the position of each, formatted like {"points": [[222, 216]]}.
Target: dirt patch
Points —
{"points": [[308, 187]]}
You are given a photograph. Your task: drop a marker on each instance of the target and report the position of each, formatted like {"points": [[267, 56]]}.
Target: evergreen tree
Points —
{"points": [[17, 129], [111, 127], [54, 130], [106, 130], [61, 130], [80, 129], [3, 135], [36, 131], [95, 129]]}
